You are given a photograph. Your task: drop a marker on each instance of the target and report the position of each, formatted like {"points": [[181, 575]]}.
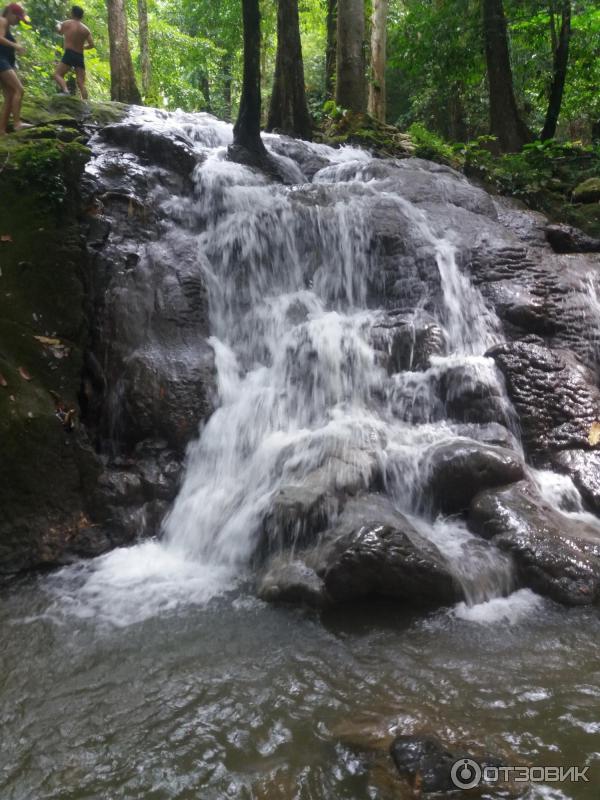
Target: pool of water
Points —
{"points": [[115, 684]]}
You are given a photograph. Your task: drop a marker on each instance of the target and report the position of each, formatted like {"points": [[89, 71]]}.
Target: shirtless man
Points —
{"points": [[77, 39]]}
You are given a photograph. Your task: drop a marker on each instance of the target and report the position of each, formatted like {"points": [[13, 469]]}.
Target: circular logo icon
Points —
{"points": [[466, 773]]}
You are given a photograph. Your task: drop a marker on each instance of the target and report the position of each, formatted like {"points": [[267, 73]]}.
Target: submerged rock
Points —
{"points": [[427, 764], [292, 582], [557, 556], [458, 470]]}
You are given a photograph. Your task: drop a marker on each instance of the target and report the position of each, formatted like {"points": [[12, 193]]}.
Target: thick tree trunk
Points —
{"points": [[288, 112], [122, 79], [559, 72], [144, 45], [330, 53], [505, 121], [377, 93], [350, 82], [246, 132]]}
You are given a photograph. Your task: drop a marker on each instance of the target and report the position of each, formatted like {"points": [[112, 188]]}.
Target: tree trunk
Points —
{"points": [[330, 53], [246, 132], [505, 121], [559, 72], [377, 94], [227, 83], [350, 82], [144, 45], [205, 89], [122, 79], [288, 112]]}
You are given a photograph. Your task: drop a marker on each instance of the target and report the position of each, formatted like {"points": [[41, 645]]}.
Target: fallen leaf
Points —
{"points": [[6, 237], [594, 434], [47, 340], [24, 374], [3, 381]]}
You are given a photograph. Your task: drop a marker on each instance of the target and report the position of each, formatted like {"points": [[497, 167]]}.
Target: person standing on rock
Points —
{"points": [[12, 88], [77, 38]]}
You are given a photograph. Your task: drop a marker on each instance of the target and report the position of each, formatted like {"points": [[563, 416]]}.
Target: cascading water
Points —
{"points": [[298, 375]]}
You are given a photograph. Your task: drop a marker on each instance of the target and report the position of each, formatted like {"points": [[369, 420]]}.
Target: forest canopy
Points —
{"points": [[434, 60]]}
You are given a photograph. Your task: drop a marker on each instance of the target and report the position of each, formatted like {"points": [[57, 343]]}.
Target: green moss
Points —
{"points": [[64, 110], [587, 191], [344, 127]]}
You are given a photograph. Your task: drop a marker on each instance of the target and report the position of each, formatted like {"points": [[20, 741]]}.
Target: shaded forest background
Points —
{"points": [[435, 60]]}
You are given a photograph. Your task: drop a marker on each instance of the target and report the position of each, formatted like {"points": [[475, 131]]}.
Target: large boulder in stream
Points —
{"points": [[458, 470], [371, 550], [299, 512], [556, 555]]}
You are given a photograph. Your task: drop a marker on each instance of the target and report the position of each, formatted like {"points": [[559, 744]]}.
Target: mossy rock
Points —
{"points": [[66, 110], [363, 130], [588, 191], [44, 465]]}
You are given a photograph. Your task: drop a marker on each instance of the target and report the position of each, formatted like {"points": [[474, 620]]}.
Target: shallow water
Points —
{"points": [[106, 698]]}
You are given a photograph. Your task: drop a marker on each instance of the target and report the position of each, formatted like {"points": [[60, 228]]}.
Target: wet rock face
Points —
{"points": [[154, 368], [584, 469], [459, 470], [556, 555], [171, 152], [555, 396], [149, 371]]}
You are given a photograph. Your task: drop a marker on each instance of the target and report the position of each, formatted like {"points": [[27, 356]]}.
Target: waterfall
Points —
{"points": [[288, 270]]}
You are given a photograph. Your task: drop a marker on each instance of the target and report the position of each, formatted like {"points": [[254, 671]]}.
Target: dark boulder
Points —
{"points": [[469, 396], [371, 550], [566, 239], [557, 556], [556, 397], [166, 150], [458, 470]]}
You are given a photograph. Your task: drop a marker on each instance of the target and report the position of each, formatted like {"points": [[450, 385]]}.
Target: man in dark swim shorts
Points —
{"points": [[77, 39]]}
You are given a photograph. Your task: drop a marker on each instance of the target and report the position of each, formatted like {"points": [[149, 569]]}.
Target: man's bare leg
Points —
{"points": [[80, 77], [59, 76]]}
